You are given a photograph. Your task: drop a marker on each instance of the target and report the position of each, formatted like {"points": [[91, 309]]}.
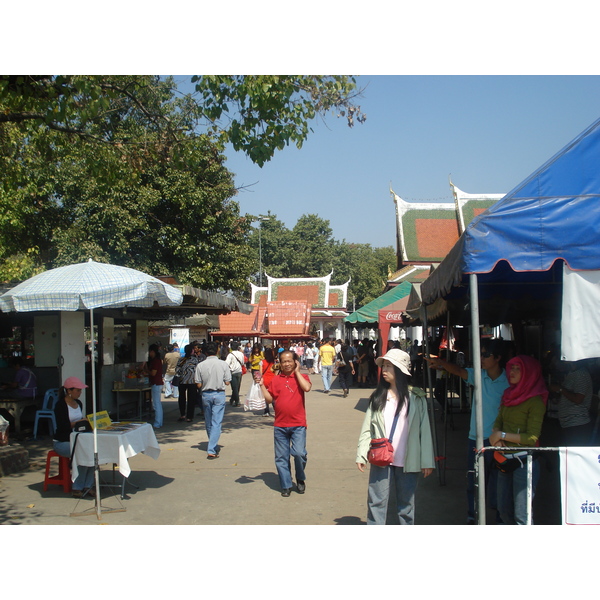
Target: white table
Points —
{"points": [[114, 447]]}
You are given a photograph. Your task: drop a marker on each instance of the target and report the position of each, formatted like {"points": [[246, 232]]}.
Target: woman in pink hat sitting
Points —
{"points": [[68, 411]]}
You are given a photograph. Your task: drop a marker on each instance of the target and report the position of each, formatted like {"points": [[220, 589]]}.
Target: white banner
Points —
{"points": [[580, 327], [181, 336], [580, 485]]}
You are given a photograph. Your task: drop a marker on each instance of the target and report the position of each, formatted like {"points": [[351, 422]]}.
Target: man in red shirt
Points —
{"points": [[286, 392]]}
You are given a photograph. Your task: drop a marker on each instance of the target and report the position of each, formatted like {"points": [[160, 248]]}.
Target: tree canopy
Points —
{"points": [[126, 169], [133, 200], [263, 113], [257, 114]]}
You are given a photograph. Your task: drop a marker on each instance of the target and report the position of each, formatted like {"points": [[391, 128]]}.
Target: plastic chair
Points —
{"points": [[47, 411], [64, 472]]}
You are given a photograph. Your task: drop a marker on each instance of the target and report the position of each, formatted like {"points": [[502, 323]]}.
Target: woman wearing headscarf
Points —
{"points": [[518, 425], [394, 400]]}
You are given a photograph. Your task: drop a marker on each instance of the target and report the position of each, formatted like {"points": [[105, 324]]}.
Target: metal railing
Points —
{"points": [[479, 465]]}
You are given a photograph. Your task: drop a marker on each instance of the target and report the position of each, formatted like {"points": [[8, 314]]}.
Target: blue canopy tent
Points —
{"points": [[517, 248], [516, 257]]}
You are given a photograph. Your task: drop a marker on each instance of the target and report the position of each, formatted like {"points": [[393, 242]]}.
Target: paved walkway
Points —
{"points": [[182, 487]]}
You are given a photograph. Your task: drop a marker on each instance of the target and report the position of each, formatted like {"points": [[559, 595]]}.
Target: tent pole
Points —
{"points": [[480, 473], [430, 395]]}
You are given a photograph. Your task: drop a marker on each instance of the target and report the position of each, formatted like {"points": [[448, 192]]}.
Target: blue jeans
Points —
{"points": [[85, 477], [326, 372], [405, 485], [156, 392], [290, 441], [214, 409], [512, 493]]}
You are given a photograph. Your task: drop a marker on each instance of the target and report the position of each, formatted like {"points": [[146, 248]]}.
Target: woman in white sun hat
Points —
{"points": [[411, 440]]}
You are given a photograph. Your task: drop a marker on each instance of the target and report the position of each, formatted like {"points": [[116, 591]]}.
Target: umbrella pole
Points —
{"points": [[98, 506], [96, 466]]}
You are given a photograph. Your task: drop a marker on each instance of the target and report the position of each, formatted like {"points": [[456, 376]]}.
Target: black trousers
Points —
{"points": [[188, 398]]}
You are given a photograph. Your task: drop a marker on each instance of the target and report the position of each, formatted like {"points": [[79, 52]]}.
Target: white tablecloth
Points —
{"points": [[114, 447]]}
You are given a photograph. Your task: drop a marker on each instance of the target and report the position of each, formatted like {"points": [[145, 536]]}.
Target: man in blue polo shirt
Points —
{"points": [[493, 384]]}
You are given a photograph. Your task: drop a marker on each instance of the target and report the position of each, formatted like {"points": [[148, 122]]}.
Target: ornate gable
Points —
{"points": [[427, 231]]}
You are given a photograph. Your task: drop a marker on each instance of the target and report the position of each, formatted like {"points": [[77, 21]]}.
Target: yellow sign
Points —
{"points": [[102, 419]]}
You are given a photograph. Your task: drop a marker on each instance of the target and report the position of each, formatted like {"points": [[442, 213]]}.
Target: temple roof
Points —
{"points": [[426, 231], [410, 273], [317, 291], [271, 320]]}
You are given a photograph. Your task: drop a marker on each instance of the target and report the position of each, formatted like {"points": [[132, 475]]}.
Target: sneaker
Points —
{"points": [[301, 486], [286, 493]]}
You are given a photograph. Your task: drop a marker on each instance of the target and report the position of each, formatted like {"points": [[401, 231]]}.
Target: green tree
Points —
{"points": [[274, 242], [312, 247], [256, 114], [369, 269], [159, 213], [97, 166], [260, 114]]}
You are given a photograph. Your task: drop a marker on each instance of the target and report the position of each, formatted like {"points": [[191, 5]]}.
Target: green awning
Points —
{"points": [[370, 312]]}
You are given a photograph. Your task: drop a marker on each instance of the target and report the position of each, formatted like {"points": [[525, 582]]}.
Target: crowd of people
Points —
{"points": [[525, 404], [199, 376]]}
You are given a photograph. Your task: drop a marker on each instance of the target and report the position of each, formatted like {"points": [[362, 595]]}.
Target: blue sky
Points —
{"points": [[487, 132], [430, 114]]}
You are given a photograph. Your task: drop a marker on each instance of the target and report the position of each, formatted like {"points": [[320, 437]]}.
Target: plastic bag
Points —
{"points": [[254, 398]]}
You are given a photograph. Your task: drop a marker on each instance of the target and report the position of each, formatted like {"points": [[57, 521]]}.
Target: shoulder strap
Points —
{"points": [[394, 423]]}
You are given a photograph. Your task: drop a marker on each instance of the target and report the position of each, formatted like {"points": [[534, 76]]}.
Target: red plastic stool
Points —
{"points": [[64, 472]]}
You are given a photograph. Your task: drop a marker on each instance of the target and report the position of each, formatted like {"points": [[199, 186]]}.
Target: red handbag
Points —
{"points": [[381, 451]]}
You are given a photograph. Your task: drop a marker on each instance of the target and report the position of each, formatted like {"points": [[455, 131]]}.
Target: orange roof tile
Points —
{"points": [[289, 318], [435, 237]]}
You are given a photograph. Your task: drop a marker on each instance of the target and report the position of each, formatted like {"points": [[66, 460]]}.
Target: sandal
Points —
{"points": [[188, 421], [181, 419]]}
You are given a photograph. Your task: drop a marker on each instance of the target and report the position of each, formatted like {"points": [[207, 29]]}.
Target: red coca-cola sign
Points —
{"points": [[391, 316]]}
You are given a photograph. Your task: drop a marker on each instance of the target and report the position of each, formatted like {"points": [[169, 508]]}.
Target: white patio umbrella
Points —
{"points": [[89, 285]]}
